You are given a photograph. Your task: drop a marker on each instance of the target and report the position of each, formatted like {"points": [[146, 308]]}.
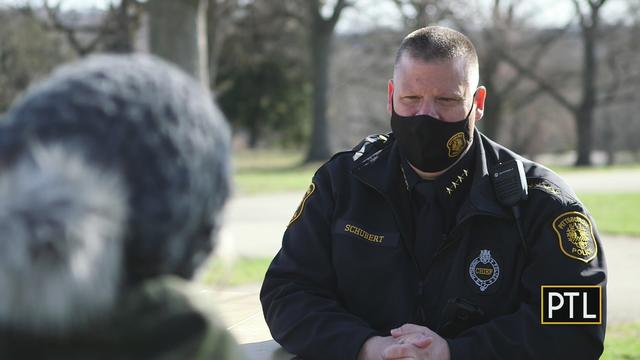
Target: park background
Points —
{"points": [[301, 79]]}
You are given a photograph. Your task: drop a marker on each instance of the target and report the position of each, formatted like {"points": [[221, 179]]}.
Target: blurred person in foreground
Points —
{"points": [[113, 175], [405, 248]]}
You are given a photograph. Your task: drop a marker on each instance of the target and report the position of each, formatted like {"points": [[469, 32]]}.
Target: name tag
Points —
{"points": [[372, 236]]}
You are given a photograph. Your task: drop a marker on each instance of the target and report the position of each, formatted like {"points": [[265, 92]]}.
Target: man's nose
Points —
{"points": [[427, 107]]}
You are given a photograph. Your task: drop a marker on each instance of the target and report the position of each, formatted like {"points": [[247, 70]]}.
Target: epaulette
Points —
{"points": [[371, 143], [545, 186]]}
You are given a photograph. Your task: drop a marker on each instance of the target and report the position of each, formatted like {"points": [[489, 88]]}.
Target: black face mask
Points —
{"points": [[428, 143]]}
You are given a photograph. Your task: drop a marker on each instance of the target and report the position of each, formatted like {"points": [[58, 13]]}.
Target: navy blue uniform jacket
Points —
{"points": [[346, 270]]}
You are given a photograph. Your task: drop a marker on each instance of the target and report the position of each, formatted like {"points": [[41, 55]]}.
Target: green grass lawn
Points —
{"points": [[588, 169], [622, 342], [241, 271], [614, 213], [271, 171]]}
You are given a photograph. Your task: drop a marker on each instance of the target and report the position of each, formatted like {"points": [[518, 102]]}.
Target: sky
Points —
{"points": [[372, 13], [68, 4], [553, 13]]}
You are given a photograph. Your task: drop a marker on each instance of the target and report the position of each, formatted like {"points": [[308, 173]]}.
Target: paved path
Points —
{"points": [[601, 181], [254, 224]]}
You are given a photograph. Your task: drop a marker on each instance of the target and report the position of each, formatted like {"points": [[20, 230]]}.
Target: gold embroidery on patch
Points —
{"points": [[456, 144], [546, 187], [575, 236], [300, 208]]}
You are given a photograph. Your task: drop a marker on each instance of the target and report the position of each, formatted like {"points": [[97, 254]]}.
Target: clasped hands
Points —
{"points": [[406, 342]]}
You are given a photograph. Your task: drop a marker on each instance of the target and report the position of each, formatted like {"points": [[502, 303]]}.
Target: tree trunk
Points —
{"points": [[217, 31], [492, 119], [254, 134], [177, 33], [584, 115], [584, 122], [608, 143], [321, 39]]}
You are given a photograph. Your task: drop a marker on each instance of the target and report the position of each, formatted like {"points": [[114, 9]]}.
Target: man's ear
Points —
{"points": [[481, 96], [390, 96]]}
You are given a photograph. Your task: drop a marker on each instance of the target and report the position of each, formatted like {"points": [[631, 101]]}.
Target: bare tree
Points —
{"points": [[504, 32], [418, 13], [619, 79], [114, 32], [27, 52], [588, 14], [220, 24], [321, 35]]}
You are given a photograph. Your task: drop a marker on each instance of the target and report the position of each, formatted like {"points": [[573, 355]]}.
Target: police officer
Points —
{"points": [[405, 248], [113, 173]]}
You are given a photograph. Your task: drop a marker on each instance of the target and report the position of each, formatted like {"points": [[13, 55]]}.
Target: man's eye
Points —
{"points": [[448, 101], [410, 98]]}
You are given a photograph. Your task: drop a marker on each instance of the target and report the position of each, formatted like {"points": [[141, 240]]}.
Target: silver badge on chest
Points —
{"points": [[484, 270]]}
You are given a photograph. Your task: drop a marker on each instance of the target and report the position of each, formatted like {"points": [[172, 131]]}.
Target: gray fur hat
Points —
{"points": [[113, 170]]}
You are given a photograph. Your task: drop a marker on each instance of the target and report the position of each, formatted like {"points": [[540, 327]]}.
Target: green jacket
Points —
{"points": [[161, 319]]}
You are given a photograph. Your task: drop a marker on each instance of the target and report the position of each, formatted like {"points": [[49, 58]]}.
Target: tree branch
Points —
{"points": [[405, 18], [537, 56], [337, 10], [616, 99], [581, 16], [542, 83], [614, 88], [70, 32], [526, 99]]}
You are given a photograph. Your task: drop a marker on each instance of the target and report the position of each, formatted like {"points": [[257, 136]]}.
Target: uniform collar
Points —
{"points": [[382, 168], [450, 186], [409, 175], [383, 171]]}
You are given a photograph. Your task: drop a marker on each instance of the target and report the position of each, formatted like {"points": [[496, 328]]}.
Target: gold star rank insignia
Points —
{"points": [[300, 208], [575, 236]]}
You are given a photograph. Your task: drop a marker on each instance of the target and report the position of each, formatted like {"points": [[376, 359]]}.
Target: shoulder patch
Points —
{"points": [[575, 236], [366, 144], [545, 186], [300, 208]]}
